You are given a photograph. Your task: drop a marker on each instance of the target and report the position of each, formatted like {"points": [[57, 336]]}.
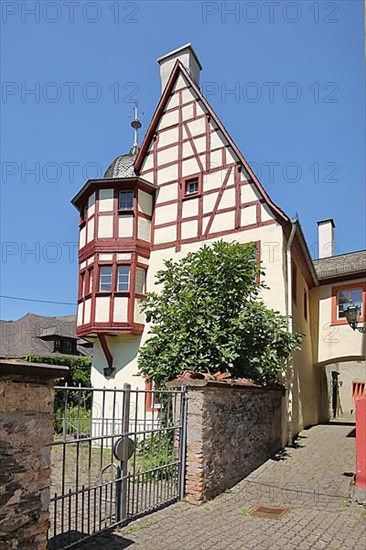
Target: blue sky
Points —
{"points": [[295, 70]]}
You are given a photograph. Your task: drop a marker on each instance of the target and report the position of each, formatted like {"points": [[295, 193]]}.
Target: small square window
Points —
{"points": [[344, 297], [140, 281], [191, 187], [126, 200], [123, 279], [105, 278]]}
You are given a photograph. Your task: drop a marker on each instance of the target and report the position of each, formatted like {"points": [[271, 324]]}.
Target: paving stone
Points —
{"points": [[309, 480]]}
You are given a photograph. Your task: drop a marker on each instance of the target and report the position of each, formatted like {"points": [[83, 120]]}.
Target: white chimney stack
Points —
{"points": [[187, 56], [326, 238]]}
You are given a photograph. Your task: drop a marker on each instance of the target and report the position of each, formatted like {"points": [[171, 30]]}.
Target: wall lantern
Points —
{"points": [[352, 314]]}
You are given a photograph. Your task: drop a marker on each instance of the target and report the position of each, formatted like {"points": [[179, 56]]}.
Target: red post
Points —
{"points": [[361, 442]]}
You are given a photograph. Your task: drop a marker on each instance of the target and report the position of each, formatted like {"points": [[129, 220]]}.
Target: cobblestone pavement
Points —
{"points": [[312, 479]]}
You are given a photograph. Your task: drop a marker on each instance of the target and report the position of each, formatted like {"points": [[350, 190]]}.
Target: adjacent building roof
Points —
{"points": [[121, 167], [35, 334], [352, 264]]}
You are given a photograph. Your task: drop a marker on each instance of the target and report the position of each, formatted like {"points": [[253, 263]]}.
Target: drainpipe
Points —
{"points": [[290, 370]]}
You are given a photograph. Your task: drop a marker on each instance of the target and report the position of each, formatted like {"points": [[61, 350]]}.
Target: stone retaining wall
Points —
{"points": [[26, 430], [231, 430]]}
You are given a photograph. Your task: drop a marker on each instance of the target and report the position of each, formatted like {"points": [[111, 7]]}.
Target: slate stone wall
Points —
{"points": [[231, 430], [26, 430]]}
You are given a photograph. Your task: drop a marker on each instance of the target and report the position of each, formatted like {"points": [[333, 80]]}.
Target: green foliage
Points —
{"points": [[208, 317], [79, 374], [156, 451], [79, 367]]}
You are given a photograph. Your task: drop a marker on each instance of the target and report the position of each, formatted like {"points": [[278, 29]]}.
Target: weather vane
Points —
{"points": [[136, 125]]}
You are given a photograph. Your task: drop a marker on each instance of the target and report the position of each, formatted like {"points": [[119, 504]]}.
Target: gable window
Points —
{"points": [[105, 278], [125, 200], [123, 278], [192, 187], [140, 281], [344, 297]]}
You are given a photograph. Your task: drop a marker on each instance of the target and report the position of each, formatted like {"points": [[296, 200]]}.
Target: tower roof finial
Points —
{"points": [[136, 125]]}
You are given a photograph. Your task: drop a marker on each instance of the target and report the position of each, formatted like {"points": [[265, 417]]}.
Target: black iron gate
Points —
{"points": [[116, 455]]}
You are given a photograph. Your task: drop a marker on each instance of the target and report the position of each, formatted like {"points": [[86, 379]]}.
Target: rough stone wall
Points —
{"points": [[26, 429], [230, 432]]}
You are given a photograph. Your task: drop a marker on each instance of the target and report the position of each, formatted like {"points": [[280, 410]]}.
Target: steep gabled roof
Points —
{"points": [[179, 68]]}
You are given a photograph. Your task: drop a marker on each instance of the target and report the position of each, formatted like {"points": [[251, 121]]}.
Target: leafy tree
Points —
{"points": [[208, 317]]}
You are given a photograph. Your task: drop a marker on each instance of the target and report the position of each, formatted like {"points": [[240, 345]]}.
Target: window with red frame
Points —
{"points": [[345, 297], [191, 187], [152, 402]]}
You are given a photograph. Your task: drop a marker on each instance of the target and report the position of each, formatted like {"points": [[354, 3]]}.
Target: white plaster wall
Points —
{"points": [[144, 229], [82, 234], [120, 309], [248, 215], [125, 226], [165, 214], [105, 227], [87, 311], [91, 235], [102, 309]]}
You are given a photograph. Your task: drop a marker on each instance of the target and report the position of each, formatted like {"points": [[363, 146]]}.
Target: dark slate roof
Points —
{"points": [[121, 167], [344, 264], [27, 335]]}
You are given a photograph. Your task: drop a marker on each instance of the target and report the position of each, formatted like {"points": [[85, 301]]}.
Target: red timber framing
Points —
{"points": [[107, 353], [223, 159], [113, 251]]}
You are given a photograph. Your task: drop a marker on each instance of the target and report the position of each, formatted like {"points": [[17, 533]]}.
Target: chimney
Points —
{"points": [[187, 56], [326, 238]]}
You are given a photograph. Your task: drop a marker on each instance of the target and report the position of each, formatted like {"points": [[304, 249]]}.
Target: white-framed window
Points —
{"points": [[123, 278], [192, 187], [344, 297], [125, 200], [105, 278], [140, 281]]}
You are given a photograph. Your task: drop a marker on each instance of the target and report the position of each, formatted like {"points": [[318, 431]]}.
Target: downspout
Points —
{"points": [[290, 370]]}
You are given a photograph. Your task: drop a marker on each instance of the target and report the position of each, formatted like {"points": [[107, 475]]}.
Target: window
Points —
{"points": [[65, 345], [140, 281], [341, 297], [126, 200], [191, 187], [152, 401], [294, 282], [123, 278], [344, 297], [305, 304], [91, 277], [105, 278], [82, 285]]}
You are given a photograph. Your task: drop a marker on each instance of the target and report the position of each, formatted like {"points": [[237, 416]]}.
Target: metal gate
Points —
{"points": [[91, 489]]}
